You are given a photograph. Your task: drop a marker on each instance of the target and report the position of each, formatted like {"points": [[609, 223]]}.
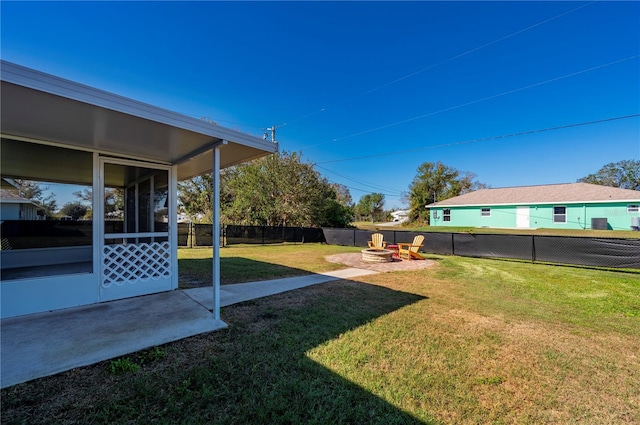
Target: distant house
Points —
{"points": [[560, 206], [14, 207], [401, 215]]}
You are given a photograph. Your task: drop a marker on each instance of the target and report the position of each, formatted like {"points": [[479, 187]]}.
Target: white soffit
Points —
{"points": [[43, 107]]}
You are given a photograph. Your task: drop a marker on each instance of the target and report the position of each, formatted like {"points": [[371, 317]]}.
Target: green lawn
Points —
{"points": [[244, 263], [467, 341]]}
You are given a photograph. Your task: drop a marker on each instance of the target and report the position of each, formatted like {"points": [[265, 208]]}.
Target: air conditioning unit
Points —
{"points": [[599, 223]]}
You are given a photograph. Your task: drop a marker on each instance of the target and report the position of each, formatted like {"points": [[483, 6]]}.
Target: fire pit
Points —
{"points": [[377, 255]]}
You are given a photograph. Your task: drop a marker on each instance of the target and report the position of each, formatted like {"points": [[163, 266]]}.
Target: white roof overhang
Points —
{"points": [[533, 204], [42, 107]]}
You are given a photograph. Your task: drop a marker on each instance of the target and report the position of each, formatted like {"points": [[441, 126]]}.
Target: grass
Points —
{"points": [[244, 263], [468, 341]]}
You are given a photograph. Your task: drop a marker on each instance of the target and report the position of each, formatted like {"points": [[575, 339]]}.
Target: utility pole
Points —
{"points": [[273, 133], [272, 129]]}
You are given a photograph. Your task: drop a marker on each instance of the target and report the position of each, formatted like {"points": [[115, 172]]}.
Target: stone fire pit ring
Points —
{"points": [[377, 255]]}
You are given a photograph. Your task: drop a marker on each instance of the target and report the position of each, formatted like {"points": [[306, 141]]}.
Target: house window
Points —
{"points": [[49, 229], [485, 212], [633, 208], [446, 214], [559, 214]]}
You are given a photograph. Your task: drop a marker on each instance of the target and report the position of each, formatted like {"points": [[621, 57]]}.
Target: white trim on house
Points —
{"points": [[49, 108], [79, 148], [41, 109], [533, 204], [33, 79], [558, 215]]}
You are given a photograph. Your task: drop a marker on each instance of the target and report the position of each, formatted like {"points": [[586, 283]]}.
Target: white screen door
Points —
{"points": [[522, 217], [136, 249]]}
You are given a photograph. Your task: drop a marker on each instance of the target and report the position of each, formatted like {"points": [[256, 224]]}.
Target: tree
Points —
{"points": [[35, 191], [370, 206], [113, 202], [338, 208], [343, 196], [75, 210], [623, 174], [276, 190], [437, 182], [335, 214], [279, 190], [195, 197]]}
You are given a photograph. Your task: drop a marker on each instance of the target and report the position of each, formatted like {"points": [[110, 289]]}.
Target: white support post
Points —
{"points": [[215, 219]]}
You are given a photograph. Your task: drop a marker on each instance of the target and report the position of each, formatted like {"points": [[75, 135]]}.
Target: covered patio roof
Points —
{"points": [[41, 107]]}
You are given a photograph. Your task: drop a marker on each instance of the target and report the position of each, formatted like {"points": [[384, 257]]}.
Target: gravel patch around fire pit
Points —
{"points": [[355, 260]]}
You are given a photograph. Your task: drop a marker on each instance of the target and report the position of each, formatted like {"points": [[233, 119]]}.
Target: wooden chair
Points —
{"points": [[376, 241], [410, 250]]}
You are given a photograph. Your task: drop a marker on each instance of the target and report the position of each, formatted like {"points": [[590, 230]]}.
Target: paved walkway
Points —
{"points": [[237, 293], [44, 344]]}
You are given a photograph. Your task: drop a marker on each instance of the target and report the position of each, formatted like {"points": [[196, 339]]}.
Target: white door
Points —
{"points": [[522, 217], [136, 250]]}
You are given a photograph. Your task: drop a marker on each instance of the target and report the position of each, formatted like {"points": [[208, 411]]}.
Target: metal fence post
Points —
{"points": [[533, 248], [453, 244]]}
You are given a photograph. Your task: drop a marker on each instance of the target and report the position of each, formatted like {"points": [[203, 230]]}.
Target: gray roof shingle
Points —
{"points": [[543, 194], [12, 198]]}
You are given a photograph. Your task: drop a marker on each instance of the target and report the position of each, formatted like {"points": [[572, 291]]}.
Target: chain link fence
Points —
{"points": [[598, 252], [194, 234]]}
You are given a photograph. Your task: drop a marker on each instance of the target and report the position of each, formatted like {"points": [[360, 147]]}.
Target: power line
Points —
{"points": [[427, 68], [398, 193], [388, 195], [382, 127], [477, 48], [484, 139]]}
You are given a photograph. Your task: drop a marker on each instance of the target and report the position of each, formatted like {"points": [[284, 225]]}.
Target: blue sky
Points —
{"points": [[346, 80]]}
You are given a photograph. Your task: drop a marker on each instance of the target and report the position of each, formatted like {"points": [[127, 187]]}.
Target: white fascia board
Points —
{"points": [[19, 202], [30, 78], [628, 201]]}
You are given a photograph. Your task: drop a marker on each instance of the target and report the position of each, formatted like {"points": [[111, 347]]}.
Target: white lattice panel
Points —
{"points": [[135, 262]]}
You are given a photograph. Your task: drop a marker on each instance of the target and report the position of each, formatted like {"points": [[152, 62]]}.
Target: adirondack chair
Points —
{"points": [[410, 250], [376, 241]]}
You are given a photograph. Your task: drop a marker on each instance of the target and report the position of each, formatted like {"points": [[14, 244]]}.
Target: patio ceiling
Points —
{"points": [[41, 107]]}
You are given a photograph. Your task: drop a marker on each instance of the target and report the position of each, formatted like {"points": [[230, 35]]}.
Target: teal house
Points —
{"points": [[556, 206]]}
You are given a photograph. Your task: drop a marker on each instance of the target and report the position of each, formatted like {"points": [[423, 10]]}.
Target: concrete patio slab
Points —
{"points": [[44, 344]]}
